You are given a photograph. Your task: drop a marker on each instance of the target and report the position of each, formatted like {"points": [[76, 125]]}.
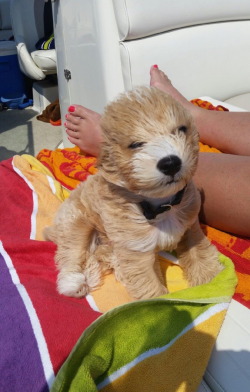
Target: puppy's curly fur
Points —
{"points": [[149, 155]]}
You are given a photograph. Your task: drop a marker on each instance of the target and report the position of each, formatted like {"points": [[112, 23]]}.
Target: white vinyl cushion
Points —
{"points": [[194, 58], [226, 104], [242, 101], [141, 18], [5, 21], [45, 60], [27, 21]]}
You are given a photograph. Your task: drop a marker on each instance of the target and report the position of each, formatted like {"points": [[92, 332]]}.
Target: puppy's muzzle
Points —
{"points": [[169, 165]]}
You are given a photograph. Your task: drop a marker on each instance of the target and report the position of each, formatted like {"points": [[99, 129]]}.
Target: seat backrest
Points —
{"points": [[203, 46], [142, 18], [5, 22], [27, 21]]}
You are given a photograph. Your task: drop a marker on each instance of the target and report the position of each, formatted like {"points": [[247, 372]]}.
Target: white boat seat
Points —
{"points": [[45, 60], [205, 50], [28, 27]]}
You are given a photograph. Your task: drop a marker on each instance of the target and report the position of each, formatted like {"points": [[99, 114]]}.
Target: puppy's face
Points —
{"points": [[150, 143]]}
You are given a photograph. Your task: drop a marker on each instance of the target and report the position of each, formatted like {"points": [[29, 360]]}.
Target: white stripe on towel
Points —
{"points": [[35, 202], [155, 351], [36, 326]]}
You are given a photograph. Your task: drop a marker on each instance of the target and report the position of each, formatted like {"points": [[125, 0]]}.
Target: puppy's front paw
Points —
{"points": [[72, 284], [204, 273], [213, 270]]}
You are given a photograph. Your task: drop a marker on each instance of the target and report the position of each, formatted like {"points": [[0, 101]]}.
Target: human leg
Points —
{"points": [[224, 180], [227, 131]]}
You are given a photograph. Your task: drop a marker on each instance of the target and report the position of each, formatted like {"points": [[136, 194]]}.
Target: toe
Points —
{"points": [[72, 133], [79, 111], [72, 122]]}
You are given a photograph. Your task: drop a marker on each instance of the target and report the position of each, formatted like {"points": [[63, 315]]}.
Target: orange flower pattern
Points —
{"points": [[68, 166]]}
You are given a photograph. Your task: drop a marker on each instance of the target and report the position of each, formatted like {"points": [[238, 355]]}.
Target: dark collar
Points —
{"points": [[150, 212]]}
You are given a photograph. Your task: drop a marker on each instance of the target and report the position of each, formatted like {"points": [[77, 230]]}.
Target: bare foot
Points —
{"points": [[83, 129], [160, 80]]}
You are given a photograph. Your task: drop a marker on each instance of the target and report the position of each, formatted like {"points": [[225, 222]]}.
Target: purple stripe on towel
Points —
{"points": [[20, 363]]}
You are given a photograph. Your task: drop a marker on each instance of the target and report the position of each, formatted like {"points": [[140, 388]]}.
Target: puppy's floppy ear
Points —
{"points": [[106, 158]]}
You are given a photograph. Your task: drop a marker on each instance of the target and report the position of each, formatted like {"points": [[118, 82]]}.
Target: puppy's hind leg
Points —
{"points": [[74, 237], [198, 257], [72, 261]]}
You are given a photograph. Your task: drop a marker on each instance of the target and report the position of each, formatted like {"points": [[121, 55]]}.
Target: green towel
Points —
{"points": [[161, 344]]}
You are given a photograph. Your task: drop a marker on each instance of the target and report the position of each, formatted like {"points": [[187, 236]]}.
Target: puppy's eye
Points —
{"points": [[136, 145], [182, 128]]}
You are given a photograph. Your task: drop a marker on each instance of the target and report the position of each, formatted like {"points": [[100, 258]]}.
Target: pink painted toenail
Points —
{"points": [[71, 109], [66, 116], [155, 66], [65, 124]]}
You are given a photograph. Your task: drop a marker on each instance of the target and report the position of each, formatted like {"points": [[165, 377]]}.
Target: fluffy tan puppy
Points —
{"points": [[142, 200]]}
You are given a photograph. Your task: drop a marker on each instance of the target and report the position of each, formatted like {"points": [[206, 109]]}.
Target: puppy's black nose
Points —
{"points": [[169, 165]]}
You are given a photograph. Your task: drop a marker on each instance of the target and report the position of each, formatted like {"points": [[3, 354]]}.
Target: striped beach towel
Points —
{"points": [[105, 341]]}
